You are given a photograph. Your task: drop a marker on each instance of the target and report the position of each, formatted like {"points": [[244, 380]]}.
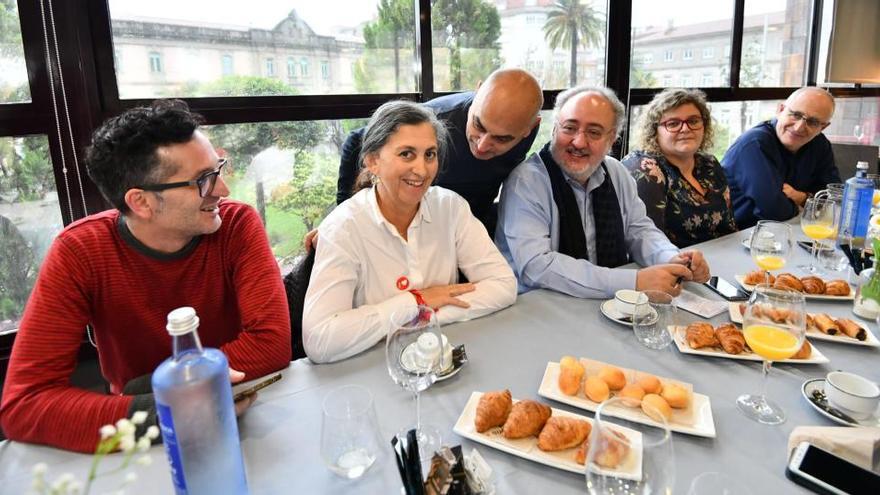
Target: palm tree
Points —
{"points": [[572, 23]]}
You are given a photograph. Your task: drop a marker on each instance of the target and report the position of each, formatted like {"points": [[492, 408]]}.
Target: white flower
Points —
{"points": [[139, 417], [126, 443], [143, 444], [75, 487], [131, 477], [61, 484], [39, 469], [107, 431], [144, 460], [125, 426], [38, 485], [152, 432]]}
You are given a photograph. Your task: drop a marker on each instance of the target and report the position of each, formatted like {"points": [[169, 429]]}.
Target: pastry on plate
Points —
{"points": [[837, 288], [731, 338], [788, 281], [804, 352], [823, 323], [613, 376], [852, 329], [560, 433], [813, 285], [758, 277], [571, 372], [596, 389], [492, 410], [526, 419], [700, 334], [612, 448]]}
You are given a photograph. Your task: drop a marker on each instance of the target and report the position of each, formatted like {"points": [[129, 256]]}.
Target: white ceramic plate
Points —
{"points": [[703, 423], [819, 384], [609, 310], [816, 357], [870, 341], [822, 297], [527, 448]]}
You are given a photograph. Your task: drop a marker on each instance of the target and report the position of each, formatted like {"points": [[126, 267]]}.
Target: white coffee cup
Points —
{"points": [[855, 395], [626, 300]]}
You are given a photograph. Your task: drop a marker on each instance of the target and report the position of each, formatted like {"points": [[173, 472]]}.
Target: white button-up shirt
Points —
{"points": [[364, 269]]}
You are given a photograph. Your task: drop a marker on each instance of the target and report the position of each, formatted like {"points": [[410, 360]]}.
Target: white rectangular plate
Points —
{"points": [[821, 297], [703, 423], [870, 341], [816, 357], [527, 448]]}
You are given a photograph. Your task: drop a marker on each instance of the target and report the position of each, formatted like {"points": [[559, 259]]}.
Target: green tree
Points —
{"points": [[311, 193], [461, 24], [242, 142], [641, 78], [25, 168], [395, 25], [573, 24], [11, 50], [18, 271]]}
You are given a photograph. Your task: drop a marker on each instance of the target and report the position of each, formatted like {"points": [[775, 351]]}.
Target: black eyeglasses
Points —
{"points": [[812, 122], [205, 183], [674, 125]]}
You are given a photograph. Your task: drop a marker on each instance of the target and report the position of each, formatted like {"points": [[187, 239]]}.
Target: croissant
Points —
{"points": [[612, 449], [852, 329], [758, 277], [813, 285], [810, 322], [563, 433], [825, 324], [700, 335], [731, 338], [526, 419], [777, 315], [804, 352], [492, 410], [788, 281], [580, 456], [837, 288]]}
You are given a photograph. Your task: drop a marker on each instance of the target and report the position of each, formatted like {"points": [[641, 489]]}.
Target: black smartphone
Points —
{"points": [[726, 290], [241, 392], [821, 471]]}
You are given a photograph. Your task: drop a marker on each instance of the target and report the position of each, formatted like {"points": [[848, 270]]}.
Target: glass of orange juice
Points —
{"points": [[818, 222], [774, 340], [770, 245]]}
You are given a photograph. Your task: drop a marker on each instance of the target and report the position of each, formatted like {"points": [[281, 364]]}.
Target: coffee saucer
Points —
{"points": [[459, 359], [829, 411], [609, 310]]}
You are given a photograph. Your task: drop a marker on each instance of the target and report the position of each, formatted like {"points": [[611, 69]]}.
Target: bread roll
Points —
{"points": [[596, 389], [632, 394], [676, 396], [655, 407], [613, 377], [571, 372], [650, 384]]}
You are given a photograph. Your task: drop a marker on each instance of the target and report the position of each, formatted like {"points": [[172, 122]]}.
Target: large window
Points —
{"points": [[29, 220], [775, 35], [13, 74], [676, 27], [856, 121], [562, 43], [287, 171]]}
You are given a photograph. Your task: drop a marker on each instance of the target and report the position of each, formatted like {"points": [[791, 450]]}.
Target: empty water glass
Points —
{"points": [[349, 431], [652, 319]]}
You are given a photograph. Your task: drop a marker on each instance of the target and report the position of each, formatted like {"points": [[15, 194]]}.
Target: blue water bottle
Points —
{"points": [[855, 214], [196, 413]]}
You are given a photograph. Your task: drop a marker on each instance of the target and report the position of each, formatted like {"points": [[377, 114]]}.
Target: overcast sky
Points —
{"points": [[323, 14]]}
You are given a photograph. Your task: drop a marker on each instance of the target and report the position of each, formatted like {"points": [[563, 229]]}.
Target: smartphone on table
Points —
{"points": [[821, 471], [241, 391], [726, 289]]}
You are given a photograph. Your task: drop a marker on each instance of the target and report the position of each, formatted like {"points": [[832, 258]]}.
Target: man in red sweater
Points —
{"points": [[171, 241]]}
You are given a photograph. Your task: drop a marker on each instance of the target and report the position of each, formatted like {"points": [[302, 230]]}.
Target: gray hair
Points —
{"points": [[609, 95], [393, 114]]}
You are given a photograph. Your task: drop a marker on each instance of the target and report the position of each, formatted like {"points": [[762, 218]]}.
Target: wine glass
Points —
{"points": [[818, 221], [413, 353], [770, 245], [652, 319], [618, 447], [774, 325]]}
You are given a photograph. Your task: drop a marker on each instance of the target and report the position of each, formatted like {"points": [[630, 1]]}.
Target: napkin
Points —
{"points": [[861, 446], [699, 305]]}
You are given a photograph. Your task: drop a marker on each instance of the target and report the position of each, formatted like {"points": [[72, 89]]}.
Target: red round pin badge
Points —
{"points": [[402, 283]]}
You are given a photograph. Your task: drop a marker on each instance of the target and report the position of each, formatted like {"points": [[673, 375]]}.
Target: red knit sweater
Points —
{"points": [[94, 274]]}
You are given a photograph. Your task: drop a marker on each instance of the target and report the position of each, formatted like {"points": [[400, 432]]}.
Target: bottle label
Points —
{"points": [[172, 449]]}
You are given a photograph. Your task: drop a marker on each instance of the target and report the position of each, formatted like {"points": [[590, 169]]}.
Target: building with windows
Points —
{"points": [[169, 57]]}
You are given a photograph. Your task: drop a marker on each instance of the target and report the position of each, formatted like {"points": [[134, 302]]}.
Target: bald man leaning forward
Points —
{"points": [[490, 132], [775, 166]]}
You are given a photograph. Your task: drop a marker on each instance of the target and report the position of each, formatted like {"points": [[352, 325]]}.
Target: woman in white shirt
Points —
{"points": [[399, 241]]}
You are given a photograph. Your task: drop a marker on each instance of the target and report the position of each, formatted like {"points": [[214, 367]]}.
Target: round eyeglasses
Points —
{"points": [[205, 183], [674, 125]]}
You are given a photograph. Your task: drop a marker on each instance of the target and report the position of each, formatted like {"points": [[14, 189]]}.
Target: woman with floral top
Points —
{"points": [[683, 186]]}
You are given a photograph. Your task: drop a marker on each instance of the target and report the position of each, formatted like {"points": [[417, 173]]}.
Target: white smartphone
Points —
{"points": [[821, 471]]}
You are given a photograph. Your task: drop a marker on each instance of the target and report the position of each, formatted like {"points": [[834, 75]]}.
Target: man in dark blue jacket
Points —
{"points": [[775, 166]]}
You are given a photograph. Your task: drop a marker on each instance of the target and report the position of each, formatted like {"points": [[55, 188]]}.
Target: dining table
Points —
{"points": [[510, 349]]}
